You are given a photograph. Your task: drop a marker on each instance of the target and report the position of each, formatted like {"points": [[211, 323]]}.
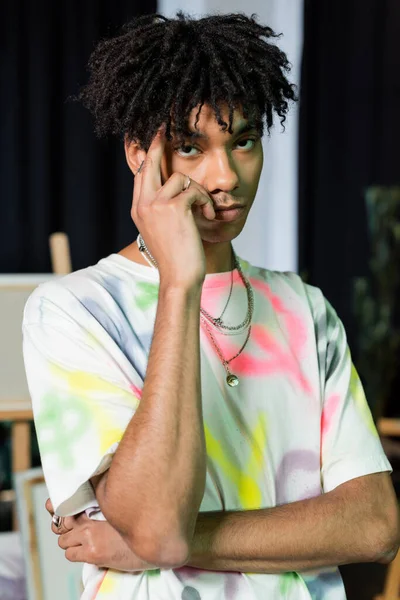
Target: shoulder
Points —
{"points": [[289, 293], [70, 297], [290, 288]]}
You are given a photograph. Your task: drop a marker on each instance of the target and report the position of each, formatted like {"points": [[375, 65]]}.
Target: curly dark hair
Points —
{"points": [[156, 70]]}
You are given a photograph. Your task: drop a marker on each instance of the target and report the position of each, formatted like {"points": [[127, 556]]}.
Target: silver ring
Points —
{"points": [[57, 520], [187, 183]]}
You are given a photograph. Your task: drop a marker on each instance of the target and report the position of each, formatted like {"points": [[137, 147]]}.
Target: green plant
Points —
{"points": [[375, 299]]}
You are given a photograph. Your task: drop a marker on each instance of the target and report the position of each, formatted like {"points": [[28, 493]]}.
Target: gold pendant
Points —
{"points": [[232, 380]]}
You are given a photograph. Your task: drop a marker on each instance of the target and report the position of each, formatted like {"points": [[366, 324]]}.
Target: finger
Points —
{"points": [[137, 184], [70, 539], [150, 173], [145, 165], [82, 519], [66, 524], [76, 554], [194, 197], [49, 506], [69, 522], [59, 530], [195, 194]]}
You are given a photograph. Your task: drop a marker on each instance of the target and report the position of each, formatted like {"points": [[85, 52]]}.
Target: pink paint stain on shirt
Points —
{"points": [[187, 573], [293, 324], [277, 357], [330, 407], [136, 391], [232, 583], [98, 586]]}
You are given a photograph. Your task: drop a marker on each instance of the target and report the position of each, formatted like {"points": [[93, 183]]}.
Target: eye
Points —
{"points": [[186, 150], [245, 141], [178, 150]]}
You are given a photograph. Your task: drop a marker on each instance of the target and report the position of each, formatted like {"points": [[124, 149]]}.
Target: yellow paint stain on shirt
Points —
{"points": [[108, 586], [245, 481], [82, 385], [108, 437], [81, 381], [357, 393], [251, 497], [259, 442], [249, 492]]}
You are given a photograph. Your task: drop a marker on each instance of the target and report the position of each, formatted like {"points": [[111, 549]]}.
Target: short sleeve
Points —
{"points": [[350, 444], [83, 390]]}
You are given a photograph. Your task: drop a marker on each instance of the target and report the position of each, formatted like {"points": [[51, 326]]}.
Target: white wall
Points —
{"points": [[269, 238]]}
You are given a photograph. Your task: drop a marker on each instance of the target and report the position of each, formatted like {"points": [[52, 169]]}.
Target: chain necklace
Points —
{"points": [[231, 379]]}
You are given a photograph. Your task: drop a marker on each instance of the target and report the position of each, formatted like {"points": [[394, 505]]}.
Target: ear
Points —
{"points": [[134, 155]]}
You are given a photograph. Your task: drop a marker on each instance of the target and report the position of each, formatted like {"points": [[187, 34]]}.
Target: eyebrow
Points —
{"points": [[194, 135]]}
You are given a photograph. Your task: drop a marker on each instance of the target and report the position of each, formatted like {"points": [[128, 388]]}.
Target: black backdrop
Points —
{"points": [[349, 136], [55, 175]]}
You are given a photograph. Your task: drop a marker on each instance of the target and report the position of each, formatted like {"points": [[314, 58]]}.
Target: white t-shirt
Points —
{"points": [[296, 426]]}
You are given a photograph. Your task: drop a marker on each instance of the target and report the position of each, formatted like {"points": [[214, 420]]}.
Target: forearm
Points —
{"points": [[247, 542], [155, 484], [348, 524], [323, 531]]}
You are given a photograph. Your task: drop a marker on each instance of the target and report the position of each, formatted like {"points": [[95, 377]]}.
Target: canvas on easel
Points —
{"points": [[15, 402], [49, 574]]}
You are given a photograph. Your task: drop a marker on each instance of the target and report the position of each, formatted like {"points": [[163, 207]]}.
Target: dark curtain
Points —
{"points": [[55, 174], [349, 137]]}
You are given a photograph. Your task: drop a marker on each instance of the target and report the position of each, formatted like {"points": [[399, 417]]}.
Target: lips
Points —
{"points": [[229, 207], [229, 215]]}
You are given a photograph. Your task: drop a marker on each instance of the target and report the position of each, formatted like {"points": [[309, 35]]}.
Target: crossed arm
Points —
{"points": [[162, 456], [355, 522]]}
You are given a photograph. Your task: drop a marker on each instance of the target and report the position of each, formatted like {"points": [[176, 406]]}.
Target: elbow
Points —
{"points": [[169, 554], [387, 552], [159, 548], [387, 538]]}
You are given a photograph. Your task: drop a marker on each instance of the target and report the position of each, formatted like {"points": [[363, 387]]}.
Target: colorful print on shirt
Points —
{"points": [[297, 425]]}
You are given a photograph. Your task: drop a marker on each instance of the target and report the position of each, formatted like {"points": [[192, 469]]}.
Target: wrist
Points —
{"points": [[175, 289]]}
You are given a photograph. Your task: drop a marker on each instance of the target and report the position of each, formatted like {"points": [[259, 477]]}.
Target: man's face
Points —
{"points": [[227, 165]]}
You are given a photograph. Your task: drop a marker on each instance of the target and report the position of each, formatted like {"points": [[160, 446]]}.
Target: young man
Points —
{"points": [[205, 410]]}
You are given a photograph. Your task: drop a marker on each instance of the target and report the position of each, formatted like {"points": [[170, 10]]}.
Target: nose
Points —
{"points": [[221, 174]]}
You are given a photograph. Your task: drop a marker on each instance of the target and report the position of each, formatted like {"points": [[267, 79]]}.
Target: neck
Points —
{"points": [[217, 261], [219, 257]]}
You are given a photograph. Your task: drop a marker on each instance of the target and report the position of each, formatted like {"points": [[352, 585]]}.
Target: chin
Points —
{"points": [[221, 234]]}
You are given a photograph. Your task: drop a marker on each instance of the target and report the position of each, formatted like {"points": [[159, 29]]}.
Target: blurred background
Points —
{"points": [[327, 207]]}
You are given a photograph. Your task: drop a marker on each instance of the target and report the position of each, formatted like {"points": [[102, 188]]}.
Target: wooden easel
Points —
{"points": [[15, 403], [60, 253]]}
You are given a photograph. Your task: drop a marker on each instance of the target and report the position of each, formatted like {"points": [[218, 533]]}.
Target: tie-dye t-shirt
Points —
{"points": [[296, 426]]}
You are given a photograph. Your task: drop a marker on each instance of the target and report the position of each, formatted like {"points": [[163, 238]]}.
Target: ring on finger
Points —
{"points": [[188, 182], [58, 521]]}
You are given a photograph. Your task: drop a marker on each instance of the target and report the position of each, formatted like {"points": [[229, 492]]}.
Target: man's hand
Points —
{"points": [[96, 543]]}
